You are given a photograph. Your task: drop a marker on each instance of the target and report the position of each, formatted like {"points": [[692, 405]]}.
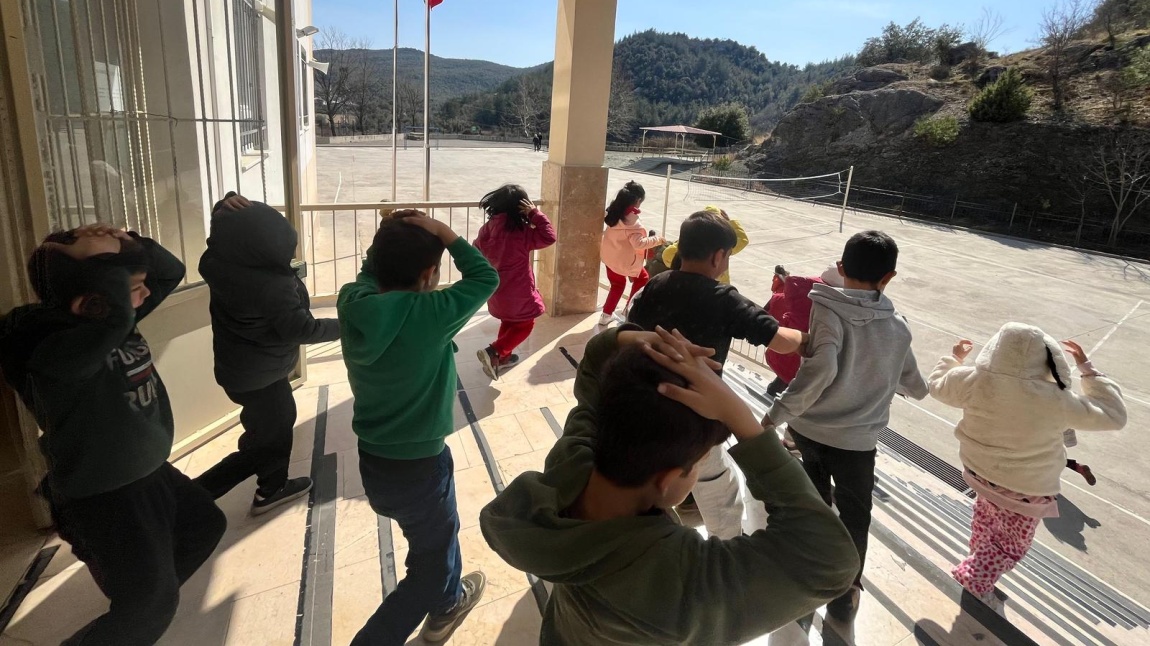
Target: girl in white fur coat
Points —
{"points": [[1016, 402]]}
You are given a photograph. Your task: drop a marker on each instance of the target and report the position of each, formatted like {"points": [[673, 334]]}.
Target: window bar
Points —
{"points": [[334, 255], [96, 129], [312, 273], [132, 17], [177, 186], [131, 124], [79, 210], [114, 116], [234, 88], [203, 126], [261, 125], [50, 144]]}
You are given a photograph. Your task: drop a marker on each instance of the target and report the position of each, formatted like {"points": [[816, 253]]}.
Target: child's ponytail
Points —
{"points": [[1054, 369], [630, 195]]}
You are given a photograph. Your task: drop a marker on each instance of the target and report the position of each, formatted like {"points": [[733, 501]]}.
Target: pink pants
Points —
{"points": [[998, 540]]}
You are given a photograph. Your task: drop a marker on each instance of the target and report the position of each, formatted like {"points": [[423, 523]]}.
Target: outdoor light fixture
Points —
{"points": [[304, 32], [318, 66]]}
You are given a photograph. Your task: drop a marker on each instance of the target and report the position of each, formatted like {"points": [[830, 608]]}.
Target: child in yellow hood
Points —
{"points": [[741, 242]]}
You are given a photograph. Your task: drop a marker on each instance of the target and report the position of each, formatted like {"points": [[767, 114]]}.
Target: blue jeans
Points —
{"points": [[419, 495]]}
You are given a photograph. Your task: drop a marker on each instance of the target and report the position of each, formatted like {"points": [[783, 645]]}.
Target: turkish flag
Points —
{"points": [[431, 4]]}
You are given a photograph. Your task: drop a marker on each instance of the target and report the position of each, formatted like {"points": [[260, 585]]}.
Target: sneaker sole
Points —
{"points": [[257, 511], [458, 620], [485, 363]]}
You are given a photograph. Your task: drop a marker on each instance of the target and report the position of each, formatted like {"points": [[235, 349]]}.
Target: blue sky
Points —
{"points": [[522, 32]]}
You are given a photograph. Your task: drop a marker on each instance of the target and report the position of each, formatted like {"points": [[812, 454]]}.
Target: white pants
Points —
{"points": [[718, 495]]}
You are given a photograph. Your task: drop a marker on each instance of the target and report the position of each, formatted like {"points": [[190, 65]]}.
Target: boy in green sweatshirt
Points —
{"points": [[85, 372], [597, 522], [397, 331]]}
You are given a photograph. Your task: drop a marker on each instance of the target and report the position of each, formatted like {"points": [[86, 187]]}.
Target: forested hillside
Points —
{"points": [[659, 79]]}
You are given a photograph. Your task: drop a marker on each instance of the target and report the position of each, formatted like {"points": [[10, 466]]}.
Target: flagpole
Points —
{"points": [[394, 106], [427, 103]]}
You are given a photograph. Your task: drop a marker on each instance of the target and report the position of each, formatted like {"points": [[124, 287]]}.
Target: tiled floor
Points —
{"points": [[249, 591]]}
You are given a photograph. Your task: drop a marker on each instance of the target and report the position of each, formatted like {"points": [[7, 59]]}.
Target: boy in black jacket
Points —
{"points": [[260, 317], [693, 301], [83, 369]]}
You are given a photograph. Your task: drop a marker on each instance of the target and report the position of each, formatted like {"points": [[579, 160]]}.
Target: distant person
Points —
{"points": [[397, 337], [261, 314], [857, 359], [741, 242], [623, 247], [693, 301], [538, 140], [597, 522], [1016, 403], [85, 373], [515, 229]]}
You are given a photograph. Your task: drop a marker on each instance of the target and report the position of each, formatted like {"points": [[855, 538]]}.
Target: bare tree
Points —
{"points": [[331, 89], [410, 98], [1060, 25], [529, 106], [365, 84], [987, 29], [621, 111], [1120, 167]]}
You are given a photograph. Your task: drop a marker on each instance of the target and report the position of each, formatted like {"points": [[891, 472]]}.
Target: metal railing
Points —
{"points": [[1082, 230], [339, 236]]}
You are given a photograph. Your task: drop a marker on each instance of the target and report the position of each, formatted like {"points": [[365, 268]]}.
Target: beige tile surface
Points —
{"points": [[267, 618], [511, 621], [356, 532], [502, 579], [358, 592]]}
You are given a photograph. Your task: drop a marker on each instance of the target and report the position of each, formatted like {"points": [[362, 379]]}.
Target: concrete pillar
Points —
{"points": [[574, 186]]}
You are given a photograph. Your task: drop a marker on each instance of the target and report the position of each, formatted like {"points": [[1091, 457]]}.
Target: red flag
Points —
{"points": [[431, 4]]}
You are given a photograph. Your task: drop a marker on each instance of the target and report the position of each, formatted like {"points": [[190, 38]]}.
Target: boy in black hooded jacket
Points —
{"points": [[86, 374], [260, 317]]}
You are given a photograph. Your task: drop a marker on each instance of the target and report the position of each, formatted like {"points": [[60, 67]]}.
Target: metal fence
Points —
{"points": [[340, 235], [1081, 230]]}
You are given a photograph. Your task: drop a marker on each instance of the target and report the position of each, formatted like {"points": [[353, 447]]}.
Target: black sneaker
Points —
{"points": [[437, 630], [845, 607], [510, 362], [291, 490], [775, 387], [489, 361]]}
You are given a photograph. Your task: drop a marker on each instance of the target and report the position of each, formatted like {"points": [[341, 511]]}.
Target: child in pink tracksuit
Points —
{"points": [[623, 247], [1016, 402], [514, 229]]}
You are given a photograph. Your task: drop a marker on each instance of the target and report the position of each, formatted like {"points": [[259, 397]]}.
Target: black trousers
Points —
{"points": [[140, 542], [853, 476], [268, 418]]}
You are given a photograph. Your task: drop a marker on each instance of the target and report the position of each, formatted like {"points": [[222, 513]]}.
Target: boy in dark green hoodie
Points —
{"points": [[597, 522], [85, 372], [397, 331]]}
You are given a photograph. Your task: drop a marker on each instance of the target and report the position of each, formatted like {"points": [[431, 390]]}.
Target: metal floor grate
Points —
{"points": [[908, 451]]}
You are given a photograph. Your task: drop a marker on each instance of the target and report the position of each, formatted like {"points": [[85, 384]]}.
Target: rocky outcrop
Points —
{"points": [[1022, 162], [866, 79], [846, 125]]}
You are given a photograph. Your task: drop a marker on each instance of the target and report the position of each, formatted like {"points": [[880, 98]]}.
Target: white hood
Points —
{"points": [[1023, 351]]}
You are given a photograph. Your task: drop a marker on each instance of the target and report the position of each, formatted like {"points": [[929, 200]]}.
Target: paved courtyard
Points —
{"points": [[951, 283]]}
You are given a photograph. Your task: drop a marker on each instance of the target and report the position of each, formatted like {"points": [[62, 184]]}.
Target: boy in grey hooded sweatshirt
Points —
{"points": [[858, 358]]}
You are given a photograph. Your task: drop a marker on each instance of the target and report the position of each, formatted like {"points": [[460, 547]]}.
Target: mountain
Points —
{"points": [[450, 77], [661, 79], [1070, 176]]}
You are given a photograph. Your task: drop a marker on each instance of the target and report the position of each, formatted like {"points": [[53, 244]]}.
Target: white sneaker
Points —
{"points": [[994, 602], [606, 319]]}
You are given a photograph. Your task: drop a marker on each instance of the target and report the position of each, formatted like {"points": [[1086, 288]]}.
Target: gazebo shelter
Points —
{"points": [[680, 132]]}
